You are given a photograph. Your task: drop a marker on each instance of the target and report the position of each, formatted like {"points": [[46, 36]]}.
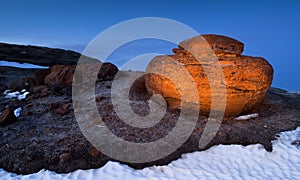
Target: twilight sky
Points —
{"points": [[268, 28]]}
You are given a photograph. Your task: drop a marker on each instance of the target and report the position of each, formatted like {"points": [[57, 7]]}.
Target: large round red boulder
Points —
{"points": [[246, 79]]}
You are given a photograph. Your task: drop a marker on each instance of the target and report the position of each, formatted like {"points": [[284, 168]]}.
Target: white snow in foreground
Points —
{"points": [[21, 65], [247, 117], [218, 162], [17, 94], [17, 111]]}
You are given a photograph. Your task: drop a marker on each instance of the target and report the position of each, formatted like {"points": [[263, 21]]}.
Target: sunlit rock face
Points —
{"points": [[217, 71]]}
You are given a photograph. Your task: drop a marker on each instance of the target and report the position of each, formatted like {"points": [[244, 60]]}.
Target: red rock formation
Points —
{"points": [[61, 75], [247, 79]]}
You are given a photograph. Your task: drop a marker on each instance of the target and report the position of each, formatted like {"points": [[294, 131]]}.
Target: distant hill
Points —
{"points": [[43, 56]]}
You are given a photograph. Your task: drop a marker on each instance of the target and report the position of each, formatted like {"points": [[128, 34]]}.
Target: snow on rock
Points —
{"points": [[23, 96], [17, 111], [218, 162], [17, 94], [247, 117]]}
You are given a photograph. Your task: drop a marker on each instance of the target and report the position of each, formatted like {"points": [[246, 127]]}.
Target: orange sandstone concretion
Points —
{"points": [[247, 79]]}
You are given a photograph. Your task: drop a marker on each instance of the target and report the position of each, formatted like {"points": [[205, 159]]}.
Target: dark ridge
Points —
{"points": [[42, 56]]}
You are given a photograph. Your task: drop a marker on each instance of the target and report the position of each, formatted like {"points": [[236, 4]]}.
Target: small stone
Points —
{"points": [[28, 113], [63, 109], [53, 106], [60, 111], [65, 106], [94, 152], [29, 158], [99, 98], [28, 105], [7, 117], [64, 157]]}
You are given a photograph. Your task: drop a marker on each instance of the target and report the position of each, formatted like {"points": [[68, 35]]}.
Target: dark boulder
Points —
{"points": [[7, 117]]}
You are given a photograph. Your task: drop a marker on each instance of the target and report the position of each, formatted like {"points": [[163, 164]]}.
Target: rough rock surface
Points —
{"points": [[223, 45], [7, 117], [246, 79], [47, 140], [39, 76], [60, 75], [107, 71]]}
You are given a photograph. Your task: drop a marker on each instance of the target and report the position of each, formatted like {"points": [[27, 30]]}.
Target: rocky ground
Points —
{"points": [[15, 78], [46, 134]]}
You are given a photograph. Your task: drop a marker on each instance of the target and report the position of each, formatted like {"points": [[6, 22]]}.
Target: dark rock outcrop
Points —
{"points": [[39, 55], [39, 76], [7, 117], [15, 78], [107, 71], [10, 76]]}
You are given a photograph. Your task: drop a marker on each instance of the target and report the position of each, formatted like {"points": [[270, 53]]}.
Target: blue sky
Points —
{"points": [[269, 29]]}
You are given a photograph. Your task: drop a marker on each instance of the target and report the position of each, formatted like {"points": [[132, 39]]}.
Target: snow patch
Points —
{"points": [[218, 162], [17, 111], [17, 94], [247, 117]]}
